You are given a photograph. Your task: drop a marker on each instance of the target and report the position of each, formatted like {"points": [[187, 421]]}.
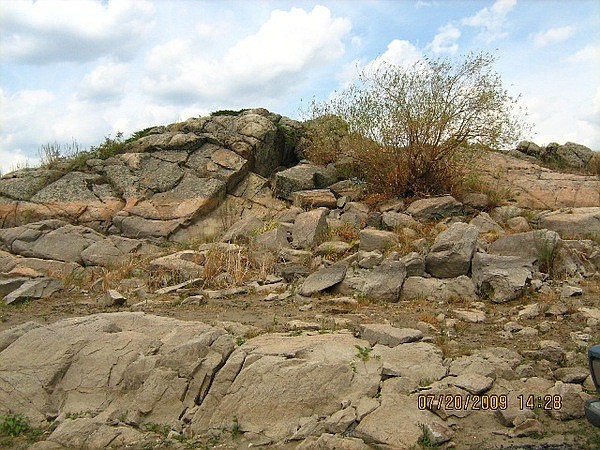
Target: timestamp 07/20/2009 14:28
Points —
{"points": [[488, 402]]}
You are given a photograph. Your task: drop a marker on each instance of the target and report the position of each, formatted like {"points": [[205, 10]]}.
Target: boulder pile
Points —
{"points": [[256, 220]]}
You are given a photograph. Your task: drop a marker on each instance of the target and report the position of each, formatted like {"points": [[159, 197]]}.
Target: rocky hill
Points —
{"points": [[210, 287]]}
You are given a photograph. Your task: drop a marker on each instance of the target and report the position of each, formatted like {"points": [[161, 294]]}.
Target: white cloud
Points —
{"points": [[589, 53], [46, 31], [445, 40], [491, 21], [107, 82], [273, 59], [552, 36], [399, 52]]}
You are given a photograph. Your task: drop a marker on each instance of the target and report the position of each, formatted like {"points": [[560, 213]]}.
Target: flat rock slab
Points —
{"points": [[573, 223], [388, 335], [435, 208], [34, 289], [323, 279], [144, 367]]}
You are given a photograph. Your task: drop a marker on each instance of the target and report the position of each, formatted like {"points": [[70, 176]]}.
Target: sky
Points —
{"points": [[85, 69]]}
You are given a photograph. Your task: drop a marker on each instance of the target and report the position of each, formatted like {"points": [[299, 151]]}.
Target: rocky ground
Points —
{"points": [[258, 305]]}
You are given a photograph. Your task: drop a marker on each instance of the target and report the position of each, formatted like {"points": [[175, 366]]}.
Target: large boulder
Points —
{"points": [[451, 253], [570, 154], [435, 289], [302, 177], [59, 241], [167, 180], [435, 208], [323, 279], [501, 278], [143, 368], [276, 385], [573, 223], [384, 283], [536, 246], [310, 228]]}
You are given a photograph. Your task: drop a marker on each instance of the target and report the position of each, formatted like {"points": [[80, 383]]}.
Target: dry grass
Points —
{"points": [[594, 165], [235, 267], [346, 233]]}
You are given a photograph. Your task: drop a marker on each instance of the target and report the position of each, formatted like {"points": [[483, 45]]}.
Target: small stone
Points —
{"points": [[114, 297], [294, 325], [512, 414], [570, 291], [557, 309], [571, 374], [194, 300], [528, 331], [469, 315], [530, 311], [388, 335], [529, 427], [472, 382], [512, 327]]}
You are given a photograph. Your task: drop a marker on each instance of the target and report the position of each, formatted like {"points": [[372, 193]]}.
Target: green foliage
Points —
{"points": [[227, 112], [426, 440], [411, 130], [14, 425], [240, 341], [363, 353], [162, 429]]}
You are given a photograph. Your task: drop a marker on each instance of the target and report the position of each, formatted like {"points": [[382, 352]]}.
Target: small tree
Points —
{"points": [[413, 129]]}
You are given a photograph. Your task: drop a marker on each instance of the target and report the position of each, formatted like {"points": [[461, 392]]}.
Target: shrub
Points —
{"points": [[411, 130], [323, 139], [594, 164], [14, 425]]}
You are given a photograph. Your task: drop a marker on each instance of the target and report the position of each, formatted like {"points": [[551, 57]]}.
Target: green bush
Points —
{"points": [[412, 129], [14, 425]]}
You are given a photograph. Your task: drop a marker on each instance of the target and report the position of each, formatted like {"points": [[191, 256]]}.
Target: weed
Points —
{"points": [[162, 429], [426, 440], [363, 353], [14, 425], [346, 233], [227, 112], [235, 429], [240, 341]]}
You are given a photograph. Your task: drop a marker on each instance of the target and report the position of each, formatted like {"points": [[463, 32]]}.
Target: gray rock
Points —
{"points": [[574, 223], [574, 257], [501, 278], [355, 214], [10, 284], [530, 148], [485, 224], [300, 178], [351, 189], [34, 289], [418, 361], [23, 184], [323, 279], [472, 382], [310, 228], [385, 281], [518, 224], [476, 200], [415, 264], [393, 219], [435, 208], [451, 254], [571, 398], [538, 246], [314, 198], [436, 289], [388, 335], [114, 297], [243, 230], [372, 239], [570, 291], [572, 154]]}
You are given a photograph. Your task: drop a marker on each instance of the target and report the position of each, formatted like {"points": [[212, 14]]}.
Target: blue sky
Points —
{"points": [[84, 69]]}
